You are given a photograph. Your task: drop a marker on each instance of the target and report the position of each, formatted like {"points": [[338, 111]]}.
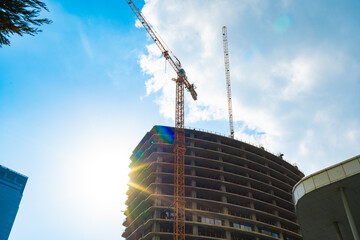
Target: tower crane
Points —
{"points": [[179, 139], [227, 75]]}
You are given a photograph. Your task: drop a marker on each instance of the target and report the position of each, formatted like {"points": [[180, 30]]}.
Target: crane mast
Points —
{"points": [[227, 75], [179, 138]]}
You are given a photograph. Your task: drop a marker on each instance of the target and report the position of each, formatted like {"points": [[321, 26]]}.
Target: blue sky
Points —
{"points": [[77, 98]]}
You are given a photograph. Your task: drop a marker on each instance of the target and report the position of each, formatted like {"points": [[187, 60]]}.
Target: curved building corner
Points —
{"points": [[327, 202]]}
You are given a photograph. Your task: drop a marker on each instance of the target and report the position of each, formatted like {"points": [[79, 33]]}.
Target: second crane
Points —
{"points": [[227, 75]]}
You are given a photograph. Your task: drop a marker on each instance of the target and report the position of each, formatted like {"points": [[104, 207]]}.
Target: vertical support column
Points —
{"points": [[278, 224], [157, 190], [337, 230], [155, 238], [349, 215], [228, 235], [157, 201], [226, 223], [195, 228], [221, 168], [156, 229], [194, 219]]}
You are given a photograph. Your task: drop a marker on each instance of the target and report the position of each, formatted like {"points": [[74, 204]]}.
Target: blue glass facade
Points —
{"points": [[12, 186]]}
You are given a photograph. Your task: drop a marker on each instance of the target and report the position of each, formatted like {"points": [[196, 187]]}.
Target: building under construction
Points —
{"points": [[233, 190]]}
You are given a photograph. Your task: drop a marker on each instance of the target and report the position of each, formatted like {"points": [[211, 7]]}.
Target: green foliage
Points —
{"points": [[20, 17]]}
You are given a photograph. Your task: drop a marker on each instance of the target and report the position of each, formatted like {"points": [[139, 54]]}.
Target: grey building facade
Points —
{"points": [[234, 190], [327, 202], [12, 186]]}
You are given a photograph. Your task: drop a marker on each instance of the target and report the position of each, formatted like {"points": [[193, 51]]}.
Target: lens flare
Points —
{"points": [[139, 187], [138, 168], [163, 134], [283, 23]]}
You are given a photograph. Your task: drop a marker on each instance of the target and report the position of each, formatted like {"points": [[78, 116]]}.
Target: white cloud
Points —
{"points": [[285, 93]]}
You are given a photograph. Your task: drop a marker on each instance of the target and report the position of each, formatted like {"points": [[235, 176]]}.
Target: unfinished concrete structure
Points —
{"points": [[234, 190]]}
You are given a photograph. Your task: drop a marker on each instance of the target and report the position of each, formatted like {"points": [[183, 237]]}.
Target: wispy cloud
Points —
{"points": [[86, 45]]}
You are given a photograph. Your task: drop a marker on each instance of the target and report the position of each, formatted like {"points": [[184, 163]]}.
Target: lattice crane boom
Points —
{"points": [[166, 52], [179, 140], [227, 75]]}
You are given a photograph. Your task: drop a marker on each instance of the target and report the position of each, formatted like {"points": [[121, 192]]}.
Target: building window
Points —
{"points": [[167, 214], [266, 232], [242, 226], [207, 220], [211, 221], [218, 222], [275, 235], [270, 233]]}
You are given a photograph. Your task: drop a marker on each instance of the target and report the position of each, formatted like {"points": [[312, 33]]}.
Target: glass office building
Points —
{"points": [[12, 186]]}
